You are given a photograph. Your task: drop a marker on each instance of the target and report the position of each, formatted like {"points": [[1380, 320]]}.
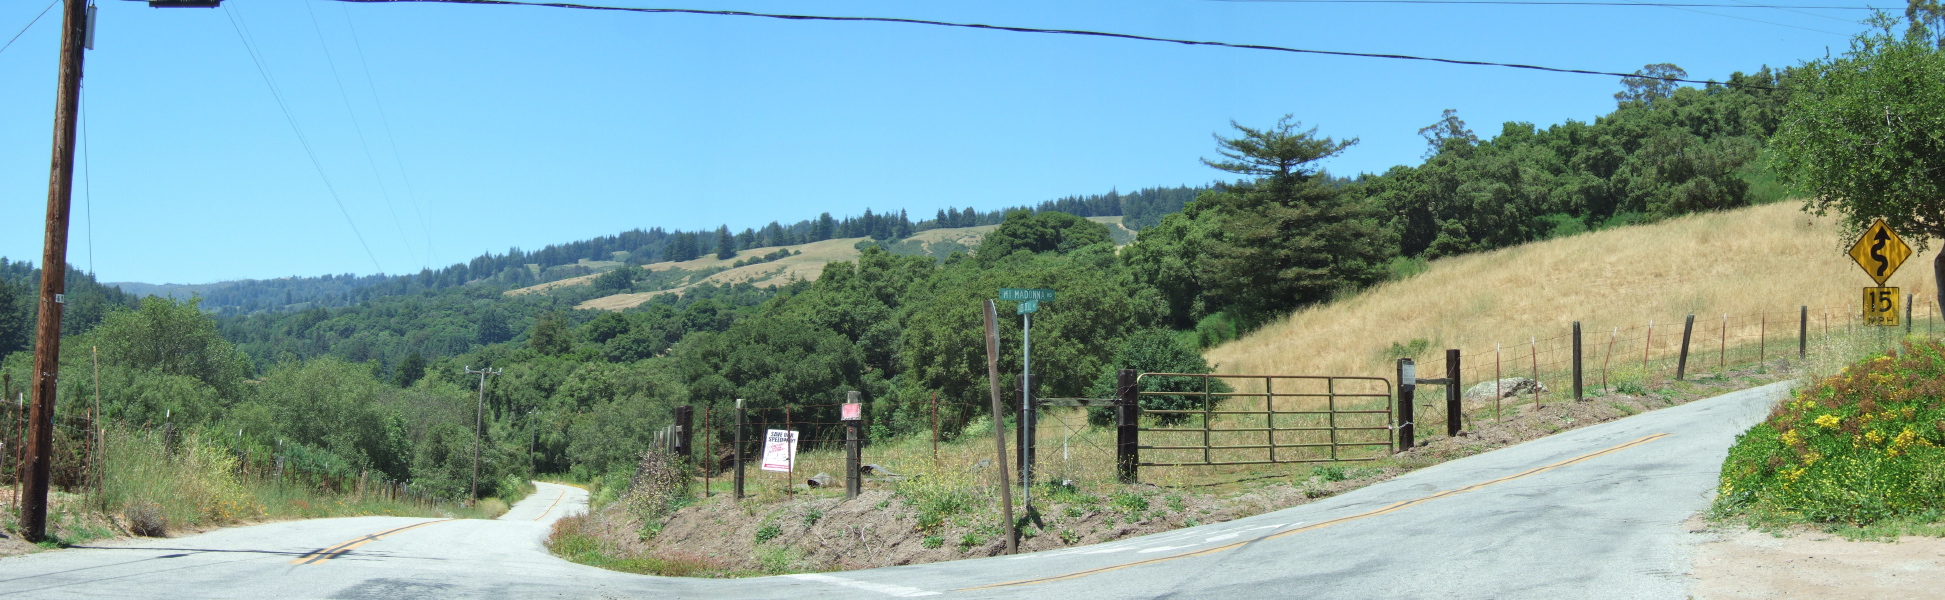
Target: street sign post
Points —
{"points": [[1879, 251], [1029, 299], [1881, 306]]}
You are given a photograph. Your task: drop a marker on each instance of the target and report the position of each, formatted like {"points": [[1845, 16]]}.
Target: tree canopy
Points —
{"points": [[1865, 135]]}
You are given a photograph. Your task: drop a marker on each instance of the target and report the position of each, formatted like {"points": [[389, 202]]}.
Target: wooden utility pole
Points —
{"points": [[479, 418], [54, 263]]}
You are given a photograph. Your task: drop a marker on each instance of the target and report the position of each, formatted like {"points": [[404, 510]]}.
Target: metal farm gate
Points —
{"points": [[1264, 419]]}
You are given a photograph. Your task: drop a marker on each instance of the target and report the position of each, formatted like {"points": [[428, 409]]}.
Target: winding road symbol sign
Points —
{"points": [[1879, 251]]}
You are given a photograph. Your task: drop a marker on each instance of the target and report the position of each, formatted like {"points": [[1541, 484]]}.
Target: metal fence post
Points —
{"points": [[736, 485], [1681, 363], [1577, 371], [852, 457], [1453, 411], [1907, 313], [1127, 420], [1407, 392]]}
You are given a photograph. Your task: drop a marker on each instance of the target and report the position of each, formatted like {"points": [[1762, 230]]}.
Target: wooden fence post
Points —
{"points": [[1452, 389], [736, 484], [1127, 426], [1907, 313], [852, 457], [1681, 363], [708, 451], [1802, 331], [685, 417], [1407, 393], [1577, 370]]}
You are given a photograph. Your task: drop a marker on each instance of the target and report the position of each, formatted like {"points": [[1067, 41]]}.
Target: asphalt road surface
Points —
{"points": [[1592, 513]]}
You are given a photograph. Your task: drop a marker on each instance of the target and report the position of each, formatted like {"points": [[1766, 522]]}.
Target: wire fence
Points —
{"points": [[1634, 357]]}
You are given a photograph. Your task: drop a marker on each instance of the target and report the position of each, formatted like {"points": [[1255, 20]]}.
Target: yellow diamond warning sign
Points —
{"points": [[1879, 251]]}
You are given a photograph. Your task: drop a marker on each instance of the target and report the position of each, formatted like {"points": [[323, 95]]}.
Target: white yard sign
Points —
{"points": [[779, 450]]}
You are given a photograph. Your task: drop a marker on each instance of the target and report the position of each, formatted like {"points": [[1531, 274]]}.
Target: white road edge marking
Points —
{"points": [[897, 591]]}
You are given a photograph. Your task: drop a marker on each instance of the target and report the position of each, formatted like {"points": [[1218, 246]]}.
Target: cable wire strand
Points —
{"points": [[1080, 32], [411, 194], [1560, 3], [30, 25], [235, 24], [356, 127]]}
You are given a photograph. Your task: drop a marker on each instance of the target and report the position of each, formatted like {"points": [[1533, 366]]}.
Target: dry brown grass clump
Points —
{"points": [[145, 519], [1743, 263]]}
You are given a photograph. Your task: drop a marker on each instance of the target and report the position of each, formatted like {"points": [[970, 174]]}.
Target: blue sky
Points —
{"points": [[519, 126]]}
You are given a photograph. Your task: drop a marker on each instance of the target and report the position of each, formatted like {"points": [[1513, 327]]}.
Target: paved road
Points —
{"points": [[1592, 513]]}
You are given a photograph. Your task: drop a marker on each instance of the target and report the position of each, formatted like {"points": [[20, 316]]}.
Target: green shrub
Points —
{"points": [[1861, 446], [1156, 351], [1331, 473], [1128, 502], [767, 532]]}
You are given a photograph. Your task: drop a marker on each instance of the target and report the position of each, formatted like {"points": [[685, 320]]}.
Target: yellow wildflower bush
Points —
{"points": [[1858, 447]]}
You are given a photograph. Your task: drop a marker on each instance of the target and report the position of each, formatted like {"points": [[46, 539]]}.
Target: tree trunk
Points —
{"points": [[1938, 275]]}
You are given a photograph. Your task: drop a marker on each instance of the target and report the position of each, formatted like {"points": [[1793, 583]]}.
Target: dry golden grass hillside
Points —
{"points": [[1755, 265], [806, 266]]}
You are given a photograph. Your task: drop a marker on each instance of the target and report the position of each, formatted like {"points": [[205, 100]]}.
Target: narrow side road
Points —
{"points": [[1591, 513]]}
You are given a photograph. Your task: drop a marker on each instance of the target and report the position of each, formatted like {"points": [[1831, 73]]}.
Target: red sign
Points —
{"points": [[853, 412]]}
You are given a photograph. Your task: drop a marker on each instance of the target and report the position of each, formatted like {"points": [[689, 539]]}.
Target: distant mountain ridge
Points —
{"points": [[516, 268]]}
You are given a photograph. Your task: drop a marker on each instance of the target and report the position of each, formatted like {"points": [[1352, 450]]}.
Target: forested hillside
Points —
{"points": [[518, 268], [376, 384]]}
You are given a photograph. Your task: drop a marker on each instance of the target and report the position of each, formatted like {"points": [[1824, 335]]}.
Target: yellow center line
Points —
{"points": [[550, 507], [1322, 524], [325, 554]]}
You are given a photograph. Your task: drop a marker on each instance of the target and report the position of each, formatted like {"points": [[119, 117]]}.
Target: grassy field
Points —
{"points": [[1743, 274]]}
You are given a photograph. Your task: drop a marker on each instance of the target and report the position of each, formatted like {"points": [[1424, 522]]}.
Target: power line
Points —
{"points": [[235, 24], [1685, 6], [384, 193], [411, 194], [1080, 32], [87, 179], [1704, 12], [30, 24], [1559, 3]]}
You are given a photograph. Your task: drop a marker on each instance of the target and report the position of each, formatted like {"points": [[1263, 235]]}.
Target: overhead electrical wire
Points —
{"points": [[1794, 9], [1704, 12], [1561, 3], [1079, 32], [236, 24], [30, 25], [87, 179], [411, 195], [358, 128], [1686, 6]]}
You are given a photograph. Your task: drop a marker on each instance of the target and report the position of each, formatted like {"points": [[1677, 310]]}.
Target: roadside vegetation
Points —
{"points": [[1859, 452], [947, 508]]}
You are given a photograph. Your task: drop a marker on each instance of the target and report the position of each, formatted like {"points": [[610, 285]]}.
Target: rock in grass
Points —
{"points": [[1506, 388]]}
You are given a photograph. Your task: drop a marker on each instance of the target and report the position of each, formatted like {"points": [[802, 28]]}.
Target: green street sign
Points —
{"points": [[1027, 307], [1025, 294]]}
